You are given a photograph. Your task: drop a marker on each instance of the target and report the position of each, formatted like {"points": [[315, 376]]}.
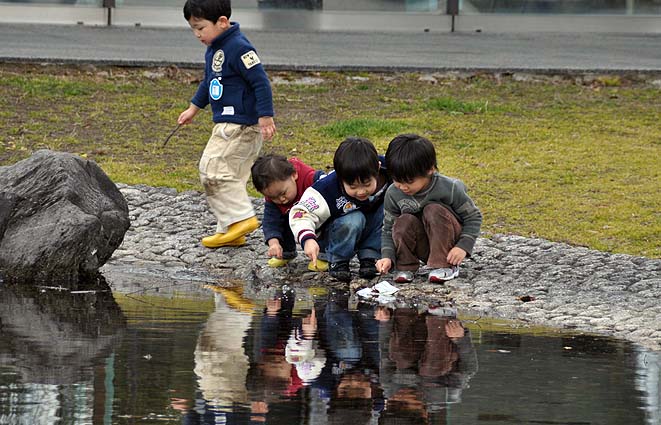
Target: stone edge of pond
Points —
{"points": [[534, 281]]}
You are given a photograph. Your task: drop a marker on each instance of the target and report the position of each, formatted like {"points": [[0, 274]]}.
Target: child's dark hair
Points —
{"points": [[356, 160], [211, 10], [409, 156], [270, 168]]}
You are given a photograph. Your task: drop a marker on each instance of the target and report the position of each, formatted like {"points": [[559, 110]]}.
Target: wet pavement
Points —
{"points": [[531, 280]]}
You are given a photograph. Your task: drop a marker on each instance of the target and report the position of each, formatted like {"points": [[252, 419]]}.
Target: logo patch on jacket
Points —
{"points": [[409, 206], [343, 204], [218, 60], [250, 59], [310, 204], [215, 89]]}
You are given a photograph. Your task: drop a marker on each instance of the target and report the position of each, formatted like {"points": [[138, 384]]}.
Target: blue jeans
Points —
{"points": [[353, 233], [342, 335]]}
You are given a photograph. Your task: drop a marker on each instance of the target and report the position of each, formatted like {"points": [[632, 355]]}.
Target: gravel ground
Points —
{"points": [[530, 280]]}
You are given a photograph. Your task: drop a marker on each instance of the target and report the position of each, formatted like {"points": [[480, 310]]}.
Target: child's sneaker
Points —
{"points": [[403, 276], [322, 266], [340, 271], [444, 311], [367, 268], [277, 262], [424, 270], [441, 275]]}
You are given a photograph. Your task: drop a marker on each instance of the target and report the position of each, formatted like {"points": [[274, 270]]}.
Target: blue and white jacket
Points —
{"points": [[235, 83], [326, 200]]}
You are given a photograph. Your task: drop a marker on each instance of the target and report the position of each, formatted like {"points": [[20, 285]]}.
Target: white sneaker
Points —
{"points": [[403, 276], [424, 270], [444, 274]]}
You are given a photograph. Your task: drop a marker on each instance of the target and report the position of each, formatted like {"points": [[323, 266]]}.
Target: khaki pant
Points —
{"points": [[225, 170]]}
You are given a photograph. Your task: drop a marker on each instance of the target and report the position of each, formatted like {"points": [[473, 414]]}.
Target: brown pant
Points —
{"points": [[428, 237], [420, 341]]}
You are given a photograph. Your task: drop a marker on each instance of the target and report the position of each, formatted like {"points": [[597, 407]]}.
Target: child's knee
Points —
{"points": [[349, 224], [405, 223], [436, 212]]}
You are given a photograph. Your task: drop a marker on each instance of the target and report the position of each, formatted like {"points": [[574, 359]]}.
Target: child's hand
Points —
{"points": [[311, 249], [383, 265], [309, 325], [382, 314], [187, 116], [275, 249], [454, 329], [456, 256], [267, 125]]}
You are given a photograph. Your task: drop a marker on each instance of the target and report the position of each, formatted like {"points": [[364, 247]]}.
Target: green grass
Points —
{"points": [[553, 159], [455, 106], [362, 127]]}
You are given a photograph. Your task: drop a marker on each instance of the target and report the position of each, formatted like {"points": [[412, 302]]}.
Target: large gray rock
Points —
{"points": [[61, 218]]}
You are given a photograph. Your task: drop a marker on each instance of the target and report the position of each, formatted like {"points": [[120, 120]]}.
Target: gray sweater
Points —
{"points": [[443, 190]]}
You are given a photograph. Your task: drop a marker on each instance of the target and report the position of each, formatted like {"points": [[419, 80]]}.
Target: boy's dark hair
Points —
{"points": [[356, 160], [410, 156], [270, 168], [211, 10]]}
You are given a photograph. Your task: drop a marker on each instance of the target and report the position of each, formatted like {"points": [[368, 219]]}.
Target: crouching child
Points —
{"points": [[282, 182], [428, 217], [341, 215]]}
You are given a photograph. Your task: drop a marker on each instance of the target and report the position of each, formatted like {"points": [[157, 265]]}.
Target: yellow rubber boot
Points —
{"points": [[322, 266], [277, 262], [236, 230], [240, 241]]}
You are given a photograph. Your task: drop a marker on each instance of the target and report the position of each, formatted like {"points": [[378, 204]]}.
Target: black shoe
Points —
{"points": [[340, 271], [367, 268]]}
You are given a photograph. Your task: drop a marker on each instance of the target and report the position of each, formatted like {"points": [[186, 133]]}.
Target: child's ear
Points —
{"points": [[223, 22], [431, 171], [295, 175]]}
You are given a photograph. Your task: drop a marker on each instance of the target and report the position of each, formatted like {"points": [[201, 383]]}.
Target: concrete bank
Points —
{"points": [[570, 287]]}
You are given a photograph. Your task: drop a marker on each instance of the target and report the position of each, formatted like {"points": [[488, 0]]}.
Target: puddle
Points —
{"points": [[209, 356]]}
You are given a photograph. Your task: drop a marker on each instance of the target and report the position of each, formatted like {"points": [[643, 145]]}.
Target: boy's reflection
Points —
{"points": [[349, 385], [270, 378], [221, 364], [429, 361], [303, 350]]}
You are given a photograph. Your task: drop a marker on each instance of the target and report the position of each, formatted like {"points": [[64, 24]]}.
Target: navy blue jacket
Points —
{"points": [[235, 83], [326, 200]]}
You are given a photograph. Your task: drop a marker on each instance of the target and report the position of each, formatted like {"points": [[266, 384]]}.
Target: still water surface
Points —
{"points": [[312, 357]]}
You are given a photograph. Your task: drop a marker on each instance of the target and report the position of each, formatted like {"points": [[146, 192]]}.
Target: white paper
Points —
{"points": [[382, 290], [386, 288]]}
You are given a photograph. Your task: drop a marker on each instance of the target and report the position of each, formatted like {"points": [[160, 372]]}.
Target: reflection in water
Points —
{"points": [[220, 362], [329, 363], [54, 348], [197, 357], [431, 360]]}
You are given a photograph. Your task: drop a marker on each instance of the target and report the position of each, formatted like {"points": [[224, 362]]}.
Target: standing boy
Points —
{"points": [[238, 89], [282, 182], [341, 214], [428, 216]]}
